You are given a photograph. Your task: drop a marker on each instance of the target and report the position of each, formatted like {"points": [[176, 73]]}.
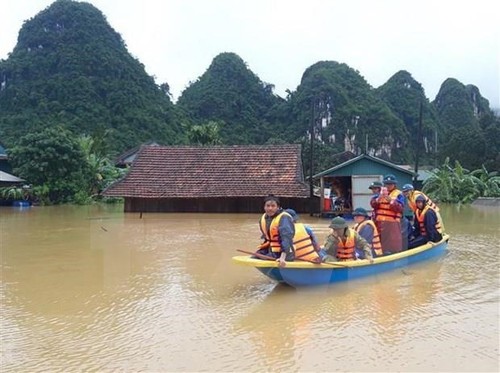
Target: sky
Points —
{"points": [[176, 40]]}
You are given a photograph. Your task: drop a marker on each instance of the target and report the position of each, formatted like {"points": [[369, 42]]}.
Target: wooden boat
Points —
{"points": [[299, 273]]}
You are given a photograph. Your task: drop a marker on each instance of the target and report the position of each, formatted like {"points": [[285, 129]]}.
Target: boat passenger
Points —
{"points": [[305, 243], [368, 230], [426, 226], [411, 195], [375, 187], [342, 242], [388, 212], [277, 231]]}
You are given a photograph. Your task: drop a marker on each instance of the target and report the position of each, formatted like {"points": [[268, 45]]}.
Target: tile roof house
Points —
{"points": [[212, 179]]}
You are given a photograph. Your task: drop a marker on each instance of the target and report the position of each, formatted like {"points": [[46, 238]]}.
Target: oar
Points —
{"points": [[258, 255]]}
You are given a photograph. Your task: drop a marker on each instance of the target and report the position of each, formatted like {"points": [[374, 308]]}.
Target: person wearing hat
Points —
{"points": [[375, 187], [342, 242], [368, 230], [426, 226], [388, 212], [411, 195], [277, 232], [305, 243]]}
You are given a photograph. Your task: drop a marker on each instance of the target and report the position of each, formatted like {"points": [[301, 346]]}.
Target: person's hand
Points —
{"points": [[371, 260], [281, 262]]}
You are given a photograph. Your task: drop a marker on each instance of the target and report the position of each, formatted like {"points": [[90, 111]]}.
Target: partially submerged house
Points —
{"points": [[345, 186], [212, 179]]}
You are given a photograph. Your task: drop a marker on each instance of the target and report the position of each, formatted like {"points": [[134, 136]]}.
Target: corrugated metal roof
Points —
{"points": [[358, 158], [8, 178]]}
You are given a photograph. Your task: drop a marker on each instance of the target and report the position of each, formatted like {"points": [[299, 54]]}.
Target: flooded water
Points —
{"points": [[94, 289]]}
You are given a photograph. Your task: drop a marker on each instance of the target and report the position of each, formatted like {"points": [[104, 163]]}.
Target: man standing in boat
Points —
{"points": [[375, 187], [388, 208], [342, 242], [277, 231]]}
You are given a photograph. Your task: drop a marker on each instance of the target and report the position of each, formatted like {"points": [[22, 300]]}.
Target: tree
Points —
{"points": [[52, 159], [205, 134]]}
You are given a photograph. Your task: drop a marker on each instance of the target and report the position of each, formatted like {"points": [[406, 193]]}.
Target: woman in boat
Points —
{"points": [[305, 244], [277, 231], [342, 242], [426, 226], [368, 230], [388, 212]]}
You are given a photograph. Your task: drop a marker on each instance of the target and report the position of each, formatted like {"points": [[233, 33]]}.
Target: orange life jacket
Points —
{"points": [[384, 212], [272, 236], [420, 215], [376, 245], [413, 204], [303, 244], [347, 250]]}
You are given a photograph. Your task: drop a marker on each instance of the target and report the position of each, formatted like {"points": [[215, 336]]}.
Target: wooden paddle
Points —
{"points": [[258, 255]]}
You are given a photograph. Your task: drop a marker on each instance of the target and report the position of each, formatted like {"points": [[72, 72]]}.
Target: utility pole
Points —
{"points": [[417, 150], [311, 151]]}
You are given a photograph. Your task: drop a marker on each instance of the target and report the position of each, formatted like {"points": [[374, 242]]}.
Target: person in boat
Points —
{"points": [[342, 242], [426, 225], [277, 230], [375, 187], [411, 195], [305, 243], [388, 208], [368, 230]]}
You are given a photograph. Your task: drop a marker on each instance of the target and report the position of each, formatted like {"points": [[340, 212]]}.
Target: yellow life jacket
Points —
{"points": [[384, 212], [272, 235], [376, 245], [303, 245], [420, 215], [347, 250]]}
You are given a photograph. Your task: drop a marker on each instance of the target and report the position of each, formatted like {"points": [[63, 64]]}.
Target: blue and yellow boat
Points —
{"points": [[299, 274]]}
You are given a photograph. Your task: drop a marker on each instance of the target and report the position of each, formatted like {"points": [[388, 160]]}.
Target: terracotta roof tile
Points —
{"points": [[217, 171]]}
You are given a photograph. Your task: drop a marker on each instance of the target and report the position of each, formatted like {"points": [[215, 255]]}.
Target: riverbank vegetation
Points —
{"points": [[459, 185]]}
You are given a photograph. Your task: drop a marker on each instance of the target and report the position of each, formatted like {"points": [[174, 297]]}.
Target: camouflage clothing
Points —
{"points": [[332, 242]]}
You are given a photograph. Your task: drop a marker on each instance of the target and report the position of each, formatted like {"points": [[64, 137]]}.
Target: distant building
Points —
{"points": [[212, 179], [7, 180], [127, 158]]}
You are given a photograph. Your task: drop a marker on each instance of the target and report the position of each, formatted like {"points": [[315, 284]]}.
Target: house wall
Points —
{"points": [[222, 205], [368, 167]]}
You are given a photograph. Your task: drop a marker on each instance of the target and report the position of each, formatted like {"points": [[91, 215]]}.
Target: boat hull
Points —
{"points": [[299, 274]]}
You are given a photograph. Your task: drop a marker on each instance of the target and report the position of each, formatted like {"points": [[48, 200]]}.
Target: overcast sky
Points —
{"points": [[177, 39]]}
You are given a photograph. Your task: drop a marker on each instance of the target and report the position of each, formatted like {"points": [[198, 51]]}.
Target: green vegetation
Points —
{"points": [[458, 185], [72, 98], [70, 68], [61, 167], [230, 94]]}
